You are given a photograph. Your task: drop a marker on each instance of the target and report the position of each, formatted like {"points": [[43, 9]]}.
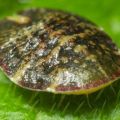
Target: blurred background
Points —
{"points": [[19, 104]]}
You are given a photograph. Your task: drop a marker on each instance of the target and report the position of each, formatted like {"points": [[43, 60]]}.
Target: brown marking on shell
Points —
{"points": [[92, 43], [41, 85], [80, 48], [82, 35], [4, 67], [92, 58], [19, 19], [64, 59], [76, 61]]}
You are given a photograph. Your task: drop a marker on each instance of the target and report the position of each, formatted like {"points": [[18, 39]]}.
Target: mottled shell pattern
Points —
{"points": [[55, 51]]}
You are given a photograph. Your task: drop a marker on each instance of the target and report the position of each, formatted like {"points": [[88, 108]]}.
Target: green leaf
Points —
{"points": [[20, 104]]}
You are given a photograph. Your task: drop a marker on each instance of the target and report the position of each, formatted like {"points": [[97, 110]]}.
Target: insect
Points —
{"points": [[55, 51]]}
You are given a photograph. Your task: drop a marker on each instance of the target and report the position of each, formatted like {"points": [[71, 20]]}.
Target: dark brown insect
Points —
{"points": [[55, 51]]}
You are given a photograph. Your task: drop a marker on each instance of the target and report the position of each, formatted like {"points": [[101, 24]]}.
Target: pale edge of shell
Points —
{"points": [[75, 92]]}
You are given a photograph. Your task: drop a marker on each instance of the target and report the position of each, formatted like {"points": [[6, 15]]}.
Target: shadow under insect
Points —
{"points": [[102, 101]]}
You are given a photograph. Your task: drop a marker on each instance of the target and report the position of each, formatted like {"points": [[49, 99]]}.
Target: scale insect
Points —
{"points": [[55, 51]]}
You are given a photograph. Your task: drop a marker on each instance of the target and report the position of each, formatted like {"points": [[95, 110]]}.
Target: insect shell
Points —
{"points": [[58, 52]]}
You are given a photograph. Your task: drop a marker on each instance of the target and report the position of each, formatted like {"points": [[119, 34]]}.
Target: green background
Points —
{"points": [[19, 104]]}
